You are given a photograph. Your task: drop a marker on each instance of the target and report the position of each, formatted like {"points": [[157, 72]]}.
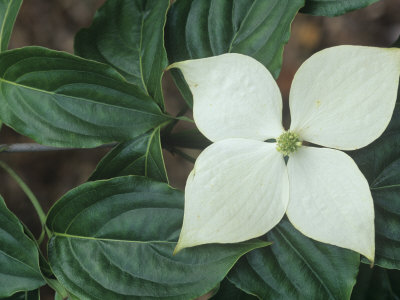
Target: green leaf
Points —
{"points": [[141, 156], [58, 297], [19, 257], [296, 267], [380, 164], [69, 297], [331, 8], [28, 295], [8, 13], [228, 291], [376, 283], [191, 138], [62, 100], [114, 239], [129, 35], [203, 28]]}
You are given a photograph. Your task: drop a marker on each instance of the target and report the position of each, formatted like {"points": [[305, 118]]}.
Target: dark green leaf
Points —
{"points": [[228, 291], [62, 100], [129, 35], [192, 138], [113, 239], [19, 257], [28, 295], [376, 283], [380, 164], [331, 8], [141, 156], [296, 267], [8, 13], [203, 28]]}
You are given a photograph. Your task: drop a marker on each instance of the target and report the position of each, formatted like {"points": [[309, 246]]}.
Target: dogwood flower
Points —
{"points": [[240, 187]]}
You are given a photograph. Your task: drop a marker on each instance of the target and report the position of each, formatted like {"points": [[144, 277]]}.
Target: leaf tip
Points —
{"points": [[178, 249]]}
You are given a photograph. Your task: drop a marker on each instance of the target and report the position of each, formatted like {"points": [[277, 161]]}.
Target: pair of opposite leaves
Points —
{"points": [[240, 188]]}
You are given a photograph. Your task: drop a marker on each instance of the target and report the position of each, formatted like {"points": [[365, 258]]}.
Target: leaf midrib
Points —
{"points": [[385, 187], [20, 262], [237, 32], [73, 236], [77, 98], [306, 262]]}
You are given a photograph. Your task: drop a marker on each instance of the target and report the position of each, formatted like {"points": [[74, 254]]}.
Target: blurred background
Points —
{"points": [[53, 24]]}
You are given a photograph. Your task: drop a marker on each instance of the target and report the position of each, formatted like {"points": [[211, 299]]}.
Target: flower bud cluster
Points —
{"points": [[288, 143]]}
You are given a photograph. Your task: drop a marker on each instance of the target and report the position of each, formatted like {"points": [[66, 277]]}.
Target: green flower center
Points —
{"points": [[288, 143]]}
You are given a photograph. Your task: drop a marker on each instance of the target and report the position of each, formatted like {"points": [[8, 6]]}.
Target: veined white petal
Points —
{"points": [[238, 190], [343, 97], [234, 96], [330, 200]]}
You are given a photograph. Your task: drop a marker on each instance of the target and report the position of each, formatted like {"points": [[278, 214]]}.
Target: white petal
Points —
{"points": [[234, 96], [238, 190], [330, 200], [343, 97]]}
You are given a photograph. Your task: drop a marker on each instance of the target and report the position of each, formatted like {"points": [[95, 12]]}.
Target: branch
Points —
{"points": [[28, 192], [33, 147]]}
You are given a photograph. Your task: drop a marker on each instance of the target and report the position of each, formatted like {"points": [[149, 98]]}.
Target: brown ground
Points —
{"points": [[54, 23]]}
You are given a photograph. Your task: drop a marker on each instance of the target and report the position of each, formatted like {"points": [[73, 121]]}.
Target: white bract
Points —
{"points": [[240, 187]]}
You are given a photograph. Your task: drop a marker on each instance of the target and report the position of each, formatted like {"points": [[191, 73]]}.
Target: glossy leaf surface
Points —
{"points": [[380, 164], [19, 257], [8, 13], [331, 8], [141, 156], [129, 35], [296, 267], [203, 28], [62, 100], [114, 239]]}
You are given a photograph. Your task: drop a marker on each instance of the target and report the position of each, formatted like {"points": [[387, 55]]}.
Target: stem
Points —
{"points": [[184, 155], [170, 126], [33, 147], [29, 194]]}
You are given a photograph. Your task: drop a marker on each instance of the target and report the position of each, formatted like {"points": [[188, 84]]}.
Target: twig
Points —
{"points": [[29, 194], [33, 147], [184, 155]]}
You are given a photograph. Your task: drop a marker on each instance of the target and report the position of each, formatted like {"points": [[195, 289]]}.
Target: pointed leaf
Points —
{"points": [[19, 257], [62, 100], [203, 28], [296, 267], [331, 8], [8, 13], [141, 156], [129, 35], [114, 239], [380, 164]]}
